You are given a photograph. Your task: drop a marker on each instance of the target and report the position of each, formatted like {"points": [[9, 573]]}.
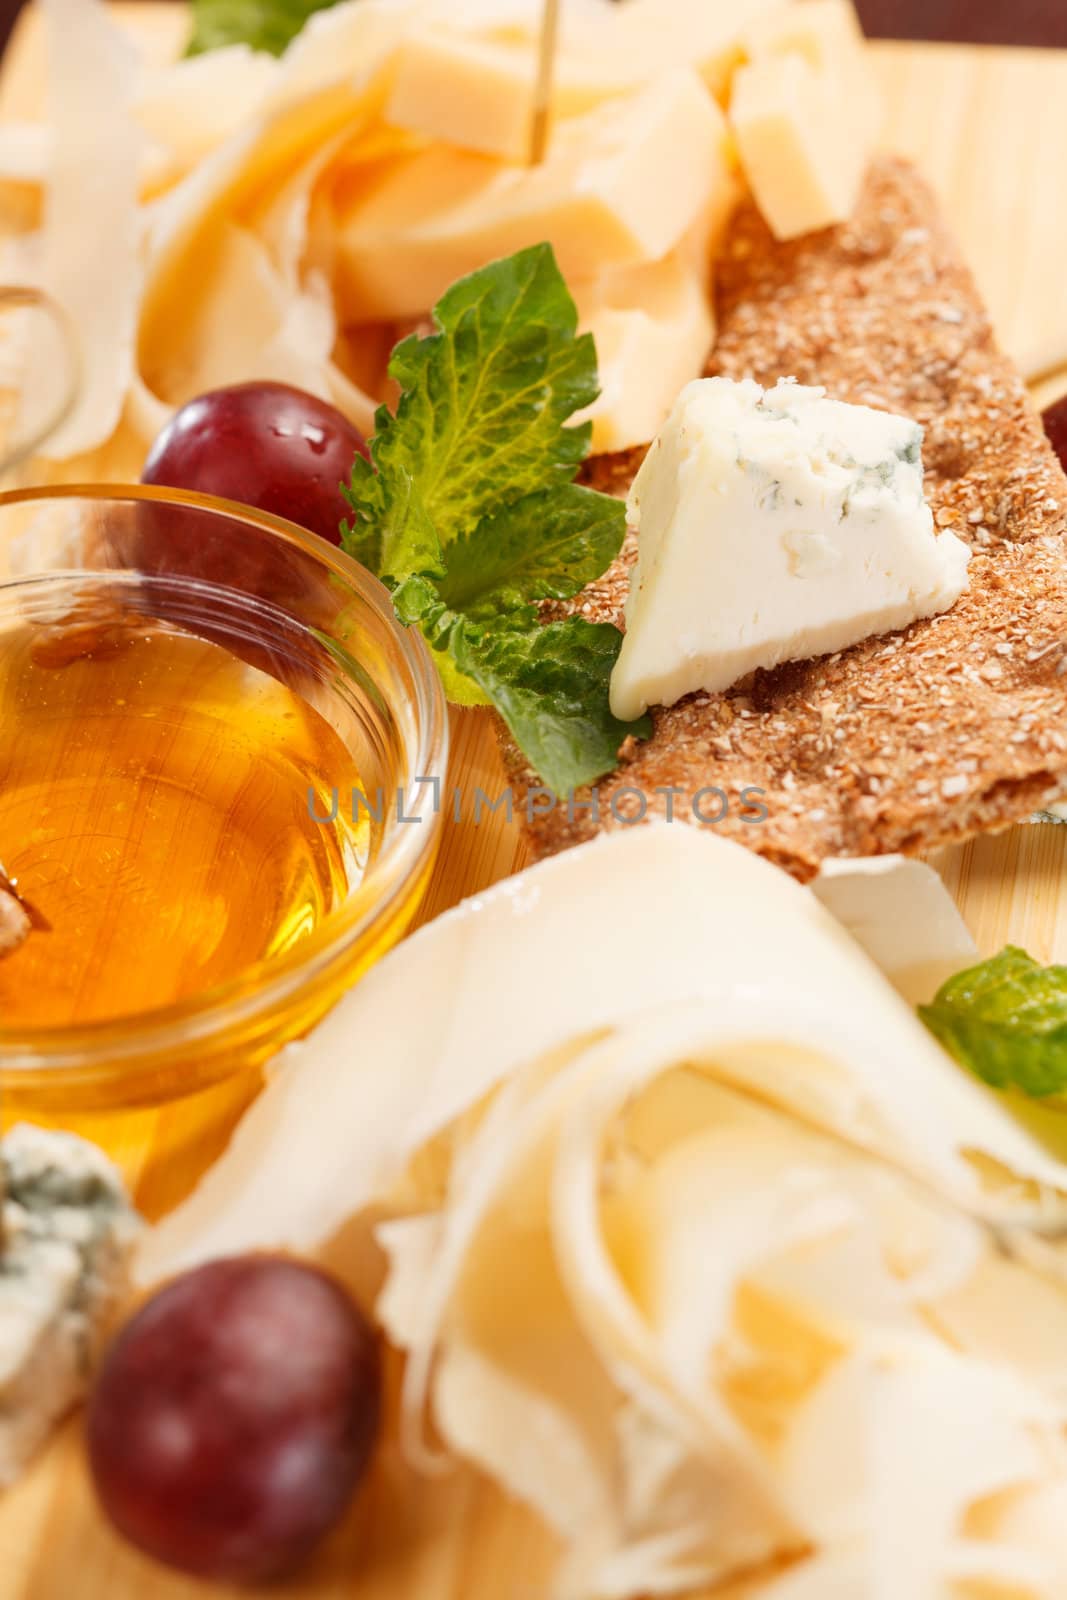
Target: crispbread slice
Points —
{"points": [[915, 739]]}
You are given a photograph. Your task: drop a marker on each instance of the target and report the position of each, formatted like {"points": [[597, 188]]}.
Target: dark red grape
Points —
{"points": [[266, 445], [1055, 420], [233, 1417]]}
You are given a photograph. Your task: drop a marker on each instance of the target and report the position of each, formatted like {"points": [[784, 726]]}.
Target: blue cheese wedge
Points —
{"points": [[774, 525], [66, 1235]]}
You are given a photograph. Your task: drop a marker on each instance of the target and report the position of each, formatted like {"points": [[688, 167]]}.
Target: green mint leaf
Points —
{"points": [[468, 511], [417, 602], [362, 537], [480, 422], [547, 546], [262, 24], [459, 689], [550, 685], [1006, 1020], [391, 533]]}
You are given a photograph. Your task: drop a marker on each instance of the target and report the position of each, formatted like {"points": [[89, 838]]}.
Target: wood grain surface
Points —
{"points": [[989, 129]]}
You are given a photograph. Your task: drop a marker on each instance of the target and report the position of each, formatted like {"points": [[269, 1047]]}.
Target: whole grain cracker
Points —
{"points": [[908, 741]]}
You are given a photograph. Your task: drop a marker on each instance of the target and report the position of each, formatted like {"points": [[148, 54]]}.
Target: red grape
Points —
{"points": [[1055, 420], [265, 444], [233, 1417]]}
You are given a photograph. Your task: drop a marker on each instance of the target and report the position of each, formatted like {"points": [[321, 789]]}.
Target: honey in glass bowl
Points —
{"points": [[158, 806], [216, 808]]}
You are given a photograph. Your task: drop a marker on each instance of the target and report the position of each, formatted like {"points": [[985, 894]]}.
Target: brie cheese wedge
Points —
{"points": [[774, 526]]}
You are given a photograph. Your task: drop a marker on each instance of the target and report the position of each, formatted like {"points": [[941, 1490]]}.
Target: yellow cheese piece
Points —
{"points": [[798, 144], [478, 93], [474, 89], [654, 328], [192, 106], [621, 186], [704, 34], [827, 33]]}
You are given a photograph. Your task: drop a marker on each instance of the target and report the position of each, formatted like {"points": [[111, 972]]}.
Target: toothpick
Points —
{"points": [[546, 71]]}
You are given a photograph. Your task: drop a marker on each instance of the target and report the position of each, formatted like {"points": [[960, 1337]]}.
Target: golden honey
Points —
{"points": [[154, 814]]}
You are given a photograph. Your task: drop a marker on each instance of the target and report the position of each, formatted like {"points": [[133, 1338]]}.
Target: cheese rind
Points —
{"points": [[613, 192], [774, 526]]}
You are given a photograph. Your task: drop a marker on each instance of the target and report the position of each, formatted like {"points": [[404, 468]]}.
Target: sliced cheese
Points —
{"points": [[798, 142], [192, 106], [633, 1278], [239, 226], [774, 526], [815, 1025], [900, 912], [92, 193], [620, 186]]}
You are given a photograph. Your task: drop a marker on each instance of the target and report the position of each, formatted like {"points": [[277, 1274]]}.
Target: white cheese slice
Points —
{"points": [[92, 193], [192, 105], [382, 1075], [612, 192], [686, 1329], [900, 912], [774, 526], [802, 145]]}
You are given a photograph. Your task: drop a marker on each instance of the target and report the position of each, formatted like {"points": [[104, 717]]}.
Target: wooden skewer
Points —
{"points": [[546, 72]]}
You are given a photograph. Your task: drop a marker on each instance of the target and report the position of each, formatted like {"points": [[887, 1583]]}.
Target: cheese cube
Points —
{"points": [[478, 94], [798, 143], [707, 35], [827, 33], [620, 186], [774, 526], [654, 328], [469, 80]]}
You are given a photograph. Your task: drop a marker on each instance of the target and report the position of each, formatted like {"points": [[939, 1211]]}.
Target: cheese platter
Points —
{"points": [[916, 720]]}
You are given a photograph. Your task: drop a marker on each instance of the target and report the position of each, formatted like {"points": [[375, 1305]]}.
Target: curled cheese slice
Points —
{"points": [[191, 106], [673, 1241], [92, 191], [667, 916]]}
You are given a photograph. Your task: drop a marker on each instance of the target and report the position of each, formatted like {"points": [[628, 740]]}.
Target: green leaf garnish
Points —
{"points": [[1006, 1019], [469, 512], [262, 24], [546, 546], [550, 684]]}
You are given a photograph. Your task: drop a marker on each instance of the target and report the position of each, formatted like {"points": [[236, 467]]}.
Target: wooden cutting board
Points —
{"points": [[989, 128]]}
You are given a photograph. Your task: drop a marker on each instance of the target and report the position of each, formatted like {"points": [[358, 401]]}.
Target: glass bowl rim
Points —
{"points": [[100, 1051]]}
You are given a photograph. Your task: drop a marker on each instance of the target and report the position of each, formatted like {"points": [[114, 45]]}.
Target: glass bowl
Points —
{"points": [[79, 565]]}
